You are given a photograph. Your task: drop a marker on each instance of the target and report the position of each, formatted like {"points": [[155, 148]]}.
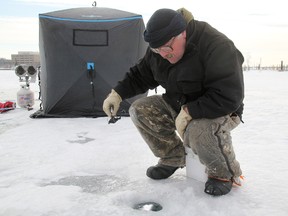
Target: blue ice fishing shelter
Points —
{"points": [[84, 52]]}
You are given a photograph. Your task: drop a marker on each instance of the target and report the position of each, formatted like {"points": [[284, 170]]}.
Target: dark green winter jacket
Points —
{"points": [[208, 78]]}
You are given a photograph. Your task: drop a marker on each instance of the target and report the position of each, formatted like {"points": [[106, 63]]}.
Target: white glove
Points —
{"points": [[182, 121], [112, 103]]}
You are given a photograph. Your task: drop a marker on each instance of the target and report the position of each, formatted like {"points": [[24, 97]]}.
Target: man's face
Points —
{"points": [[174, 49]]}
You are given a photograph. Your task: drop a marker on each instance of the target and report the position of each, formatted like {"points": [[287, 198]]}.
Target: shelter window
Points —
{"points": [[83, 37]]}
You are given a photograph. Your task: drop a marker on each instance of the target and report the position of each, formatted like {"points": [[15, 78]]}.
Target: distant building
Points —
{"points": [[26, 58], [6, 63]]}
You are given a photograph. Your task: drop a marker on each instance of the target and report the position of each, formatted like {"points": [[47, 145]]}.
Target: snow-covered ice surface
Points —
{"points": [[85, 167]]}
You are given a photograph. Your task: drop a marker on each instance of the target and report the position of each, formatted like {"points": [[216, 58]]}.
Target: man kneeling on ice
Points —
{"points": [[201, 71]]}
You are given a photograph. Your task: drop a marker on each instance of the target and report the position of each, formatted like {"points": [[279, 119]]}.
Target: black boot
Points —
{"points": [[217, 187], [160, 171]]}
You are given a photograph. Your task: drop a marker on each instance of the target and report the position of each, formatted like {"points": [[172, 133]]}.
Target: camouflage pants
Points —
{"points": [[210, 139]]}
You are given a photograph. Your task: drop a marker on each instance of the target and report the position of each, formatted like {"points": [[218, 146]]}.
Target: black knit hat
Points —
{"points": [[162, 26]]}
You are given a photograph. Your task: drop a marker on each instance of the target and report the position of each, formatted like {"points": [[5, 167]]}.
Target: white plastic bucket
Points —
{"points": [[194, 168]]}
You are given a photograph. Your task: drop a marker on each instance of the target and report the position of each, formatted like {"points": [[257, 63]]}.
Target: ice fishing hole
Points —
{"points": [[148, 206]]}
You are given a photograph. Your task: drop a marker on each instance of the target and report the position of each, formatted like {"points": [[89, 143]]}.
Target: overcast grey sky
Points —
{"points": [[259, 28]]}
